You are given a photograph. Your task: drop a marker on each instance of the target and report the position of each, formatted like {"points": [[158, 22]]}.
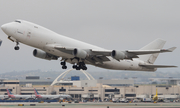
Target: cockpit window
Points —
{"points": [[17, 21]]}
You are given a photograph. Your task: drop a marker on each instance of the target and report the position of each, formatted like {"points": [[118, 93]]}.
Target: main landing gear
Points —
{"points": [[64, 65], [16, 47], [80, 65]]}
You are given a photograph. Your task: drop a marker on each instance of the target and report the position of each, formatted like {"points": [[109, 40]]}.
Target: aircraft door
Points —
{"points": [[28, 34], [130, 64], [20, 35]]}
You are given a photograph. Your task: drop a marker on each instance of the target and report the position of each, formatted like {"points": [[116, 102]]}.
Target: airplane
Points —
{"points": [[50, 97], [155, 97], [51, 46], [12, 96], [4, 97]]}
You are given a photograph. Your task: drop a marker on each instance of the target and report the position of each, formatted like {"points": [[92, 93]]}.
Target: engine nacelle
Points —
{"points": [[43, 55], [118, 55], [79, 53]]}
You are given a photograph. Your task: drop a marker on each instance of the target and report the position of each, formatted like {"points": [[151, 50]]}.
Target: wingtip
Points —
{"points": [[176, 66], [172, 49]]}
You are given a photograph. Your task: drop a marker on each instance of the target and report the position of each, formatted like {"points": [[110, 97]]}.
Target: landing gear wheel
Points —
{"points": [[63, 63], [74, 66], [81, 63], [16, 47], [78, 68], [84, 68], [64, 67]]}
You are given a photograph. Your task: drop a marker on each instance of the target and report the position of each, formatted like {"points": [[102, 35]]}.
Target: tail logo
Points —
{"points": [[10, 94], [37, 94]]}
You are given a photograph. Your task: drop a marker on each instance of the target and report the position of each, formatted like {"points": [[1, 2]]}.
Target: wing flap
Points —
{"points": [[103, 58]]}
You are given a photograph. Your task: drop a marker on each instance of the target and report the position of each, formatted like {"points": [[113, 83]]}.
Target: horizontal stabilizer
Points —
{"points": [[156, 66], [171, 49]]}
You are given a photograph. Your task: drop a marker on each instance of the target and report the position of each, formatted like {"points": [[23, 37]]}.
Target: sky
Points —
{"points": [[111, 24]]}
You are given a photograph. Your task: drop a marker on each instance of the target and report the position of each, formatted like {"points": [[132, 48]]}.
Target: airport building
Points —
{"points": [[92, 89], [88, 89]]}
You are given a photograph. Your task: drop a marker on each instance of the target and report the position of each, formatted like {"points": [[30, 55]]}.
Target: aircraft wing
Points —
{"points": [[93, 52], [67, 50], [100, 56], [134, 52], [155, 66], [142, 52], [96, 55]]}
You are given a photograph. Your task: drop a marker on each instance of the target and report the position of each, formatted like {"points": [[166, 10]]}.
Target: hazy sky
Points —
{"points": [[111, 24]]}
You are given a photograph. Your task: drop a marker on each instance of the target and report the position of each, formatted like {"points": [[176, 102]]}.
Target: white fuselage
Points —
{"points": [[52, 96], [37, 36], [4, 97], [22, 96]]}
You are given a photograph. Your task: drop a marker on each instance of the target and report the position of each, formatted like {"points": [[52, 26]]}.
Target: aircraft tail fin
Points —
{"points": [[156, 44], [9, 92], [36, 92]]}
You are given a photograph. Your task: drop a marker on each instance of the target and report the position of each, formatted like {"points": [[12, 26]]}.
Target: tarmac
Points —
{"points": [[90, 105]]}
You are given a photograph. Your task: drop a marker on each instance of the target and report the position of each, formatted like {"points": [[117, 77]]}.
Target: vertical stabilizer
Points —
{"points": [[10, 95], [156, 44], [9, 92], [36, 92], [155, 97]]}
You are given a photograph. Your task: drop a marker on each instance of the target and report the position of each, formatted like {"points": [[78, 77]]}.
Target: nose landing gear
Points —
{"points": [[16, 47]]}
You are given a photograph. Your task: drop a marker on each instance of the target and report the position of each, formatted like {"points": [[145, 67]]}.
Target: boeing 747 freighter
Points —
{"points": [[50, 46]]}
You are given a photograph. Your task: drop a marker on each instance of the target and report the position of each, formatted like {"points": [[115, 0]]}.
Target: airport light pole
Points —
{"points": [[16, 85], [134, 83], [100, 78], [173, 86], [171, 79], [69, 85], [151, 86]]}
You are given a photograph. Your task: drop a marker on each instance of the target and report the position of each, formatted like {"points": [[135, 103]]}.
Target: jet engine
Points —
{"points": [[43, 55], [118, 55], [79, 53]]}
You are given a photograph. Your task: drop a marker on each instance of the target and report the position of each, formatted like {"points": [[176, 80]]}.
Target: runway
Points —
{"points": [[92, 105]]}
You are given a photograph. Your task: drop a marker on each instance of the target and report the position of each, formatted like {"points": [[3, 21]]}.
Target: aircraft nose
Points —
{"points": [[3, 27]]}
